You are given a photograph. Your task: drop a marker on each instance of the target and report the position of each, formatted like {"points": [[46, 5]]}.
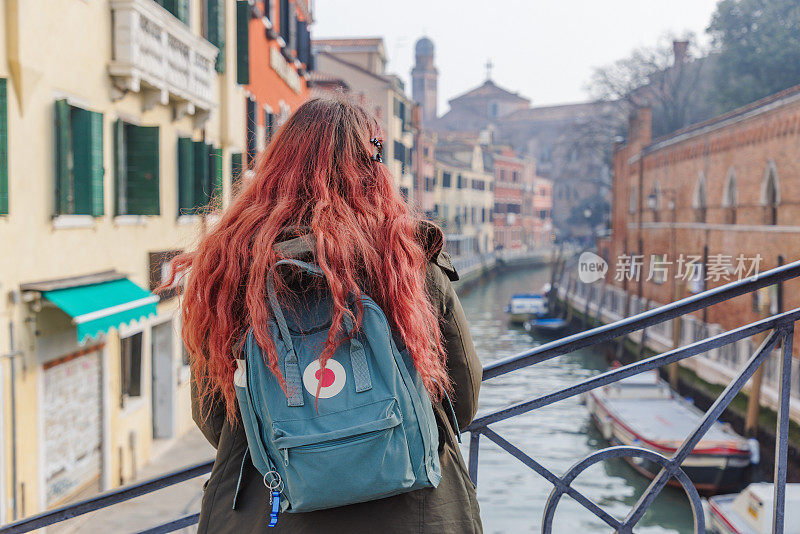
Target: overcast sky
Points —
{"points": [[545, 49]]}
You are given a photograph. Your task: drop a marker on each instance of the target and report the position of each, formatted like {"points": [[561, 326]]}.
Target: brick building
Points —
{"points": [[522, 201], [724, 193]]}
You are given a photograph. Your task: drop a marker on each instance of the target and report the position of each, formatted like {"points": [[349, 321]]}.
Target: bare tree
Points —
{"points": [[669, 78]]}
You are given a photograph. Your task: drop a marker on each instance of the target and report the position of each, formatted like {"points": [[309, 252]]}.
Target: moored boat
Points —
{"points": [[546, 326], [750, 512], [523, 306], [643, 411]]}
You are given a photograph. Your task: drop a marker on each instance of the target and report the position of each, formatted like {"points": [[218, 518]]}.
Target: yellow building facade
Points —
{"points": [[120, 123], [463, 198]]}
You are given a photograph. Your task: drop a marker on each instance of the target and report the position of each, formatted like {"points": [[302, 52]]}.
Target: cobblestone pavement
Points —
{"points": [[155, 508]]}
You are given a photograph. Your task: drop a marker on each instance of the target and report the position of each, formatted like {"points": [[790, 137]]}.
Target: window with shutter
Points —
{"points": [[236, 168], [3, 147], [250, 134], [87, 171], [301, 41], [185, 176], [215, 171], [138, 165], [293, 29], [242, 42], [79, 161], [284, 20], [215, 29], [269, 125], [202, 183], [64, 183], [268, 10]]}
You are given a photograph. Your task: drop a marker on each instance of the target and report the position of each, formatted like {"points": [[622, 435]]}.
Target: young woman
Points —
{"points": [[321, 195]]}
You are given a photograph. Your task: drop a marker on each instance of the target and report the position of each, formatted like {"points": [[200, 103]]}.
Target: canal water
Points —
{"points": [[512, 496]]}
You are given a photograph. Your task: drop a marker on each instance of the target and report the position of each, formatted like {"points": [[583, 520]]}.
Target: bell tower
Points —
{"points": [[424, 79]]}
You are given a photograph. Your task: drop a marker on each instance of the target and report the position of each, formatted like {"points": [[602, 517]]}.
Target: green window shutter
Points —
{"points": [[236, 168], [65, 200], [97, 167], [120, 170], [202, 186], [242, 42], [215, 166], [185, 176], [215, 29], [87, 171], [3, 147], [141, 170]]}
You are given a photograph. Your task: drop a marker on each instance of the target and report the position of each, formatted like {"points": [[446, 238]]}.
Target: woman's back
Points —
{"points": [[321, 176]]}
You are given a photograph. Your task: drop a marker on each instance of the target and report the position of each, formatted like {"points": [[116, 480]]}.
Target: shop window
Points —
{"points": [[136, 165], [131, 367], [79, 161]]}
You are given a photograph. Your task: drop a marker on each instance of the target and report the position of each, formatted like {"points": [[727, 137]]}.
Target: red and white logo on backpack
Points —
{"points": [[332, 378]]}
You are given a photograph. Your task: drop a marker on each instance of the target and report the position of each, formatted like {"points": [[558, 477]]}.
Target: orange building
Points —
{"points": [[279, 59]]}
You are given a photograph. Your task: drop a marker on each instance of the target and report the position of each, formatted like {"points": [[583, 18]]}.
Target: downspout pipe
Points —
{"points": [[11, 356]]}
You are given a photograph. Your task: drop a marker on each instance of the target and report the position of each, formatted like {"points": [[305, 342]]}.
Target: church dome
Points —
{"points": [[424, 47]]}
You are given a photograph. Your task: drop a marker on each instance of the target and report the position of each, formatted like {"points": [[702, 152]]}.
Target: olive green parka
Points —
{"points": [[451, 507]]}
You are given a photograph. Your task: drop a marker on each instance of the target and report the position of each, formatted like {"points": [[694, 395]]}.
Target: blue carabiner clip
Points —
{"points": [[275, 500]]}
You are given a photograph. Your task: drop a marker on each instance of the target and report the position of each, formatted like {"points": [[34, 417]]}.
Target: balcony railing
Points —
{"points": [[779, 330], [158, 55]]}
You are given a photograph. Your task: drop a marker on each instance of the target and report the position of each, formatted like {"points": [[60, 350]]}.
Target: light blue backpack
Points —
{"points": [[372, 434]]}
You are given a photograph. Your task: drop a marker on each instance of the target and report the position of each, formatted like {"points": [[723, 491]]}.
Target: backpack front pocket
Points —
{"points": [[340, 466]]}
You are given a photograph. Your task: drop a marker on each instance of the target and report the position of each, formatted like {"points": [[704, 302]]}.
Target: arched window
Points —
{"points": [[654, 201], [770, 194], [730, 197], [700, 202]]}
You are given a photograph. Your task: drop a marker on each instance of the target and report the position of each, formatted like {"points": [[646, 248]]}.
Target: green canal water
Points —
{"points": [[512, 496]]}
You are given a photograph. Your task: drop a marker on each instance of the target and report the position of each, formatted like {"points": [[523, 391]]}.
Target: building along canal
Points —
{"points": [[512, 496]]}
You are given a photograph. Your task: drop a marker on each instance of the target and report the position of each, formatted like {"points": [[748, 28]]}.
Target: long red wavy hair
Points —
{"points": [[317, 173]]}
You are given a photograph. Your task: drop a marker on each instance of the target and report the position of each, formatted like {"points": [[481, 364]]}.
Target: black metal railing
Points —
{"points": [[779, 329]]}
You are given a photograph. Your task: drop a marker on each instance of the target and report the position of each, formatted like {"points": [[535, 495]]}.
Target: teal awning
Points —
{"points": [[96, 308]]}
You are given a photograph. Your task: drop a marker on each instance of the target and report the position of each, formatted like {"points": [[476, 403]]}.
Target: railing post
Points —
{"points": [[782, 440], [474, 438]]}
